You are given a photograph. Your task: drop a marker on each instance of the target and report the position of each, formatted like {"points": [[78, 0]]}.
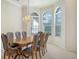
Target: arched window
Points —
{"points": [[58, 19], [35, 23], [47, 20]]}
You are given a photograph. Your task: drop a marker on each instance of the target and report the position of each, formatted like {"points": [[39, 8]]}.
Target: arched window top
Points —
{"points": [[34, 14], [58, 9], [47, 13], [35, 23]]}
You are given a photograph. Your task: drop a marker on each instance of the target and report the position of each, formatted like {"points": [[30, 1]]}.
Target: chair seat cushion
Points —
{"points": [[29, 49], [38, 46]]}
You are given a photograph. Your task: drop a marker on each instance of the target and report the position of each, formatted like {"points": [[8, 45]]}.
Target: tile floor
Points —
{"points": [[55, 52]]}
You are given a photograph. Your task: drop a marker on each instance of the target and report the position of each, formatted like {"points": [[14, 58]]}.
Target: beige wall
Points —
{"points": [[71, 27], [11, 17]]}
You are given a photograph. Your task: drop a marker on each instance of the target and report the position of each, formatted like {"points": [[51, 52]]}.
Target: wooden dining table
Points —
{"points": [[21, 43]]}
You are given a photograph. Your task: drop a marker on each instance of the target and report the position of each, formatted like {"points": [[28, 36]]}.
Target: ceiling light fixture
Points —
{"points": [[27, 17]]}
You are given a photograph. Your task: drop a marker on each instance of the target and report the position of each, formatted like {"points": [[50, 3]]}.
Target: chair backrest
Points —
{"points": [[18, 35], [5, 41], [10, 36], [36, 39], [42, 39], [24, 35], [46, 38]]}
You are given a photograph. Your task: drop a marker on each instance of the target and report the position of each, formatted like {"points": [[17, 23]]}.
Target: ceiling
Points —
{"points": [[33, 3]]}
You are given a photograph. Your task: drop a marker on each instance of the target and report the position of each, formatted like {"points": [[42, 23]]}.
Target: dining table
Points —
{"points": [[23, 43]]}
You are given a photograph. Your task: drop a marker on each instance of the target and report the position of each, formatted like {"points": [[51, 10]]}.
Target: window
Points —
{"points": [[58, 19], [47, 20], [35, 23]]}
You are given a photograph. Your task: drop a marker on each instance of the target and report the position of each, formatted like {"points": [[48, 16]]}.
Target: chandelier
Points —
{"points": [[27, 17]]}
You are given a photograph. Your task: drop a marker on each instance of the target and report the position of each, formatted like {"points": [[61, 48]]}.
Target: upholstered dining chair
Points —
{"points": [[39, 43], [39, 40], [8, 50], [18, 36], [42, 39], [10, 36], [24, 35], [45, 42], [5, 44]]}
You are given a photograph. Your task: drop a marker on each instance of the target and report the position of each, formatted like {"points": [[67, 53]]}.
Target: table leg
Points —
{"points": [[34, 55], [8, 54], [4, 54], [20, 55], [25, 55]]}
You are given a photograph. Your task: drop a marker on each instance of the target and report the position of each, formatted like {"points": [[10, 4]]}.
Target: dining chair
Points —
{"points": [[45, 42], [24, 35], [5, 46], [10, 36], [36, 46], [18, 36], [38, 43], [8, 50], [42, 39]]}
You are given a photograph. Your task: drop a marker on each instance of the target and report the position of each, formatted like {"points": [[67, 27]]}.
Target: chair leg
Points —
{"points": [[4, 54], [40, 53], [44, 51], [46, 47], [32, 56], [19, 56], [36, 54]]}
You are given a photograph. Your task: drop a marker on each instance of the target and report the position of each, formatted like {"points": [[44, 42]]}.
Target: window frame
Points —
{"points": [[56, 20], [50, 20], [32, 22]]}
